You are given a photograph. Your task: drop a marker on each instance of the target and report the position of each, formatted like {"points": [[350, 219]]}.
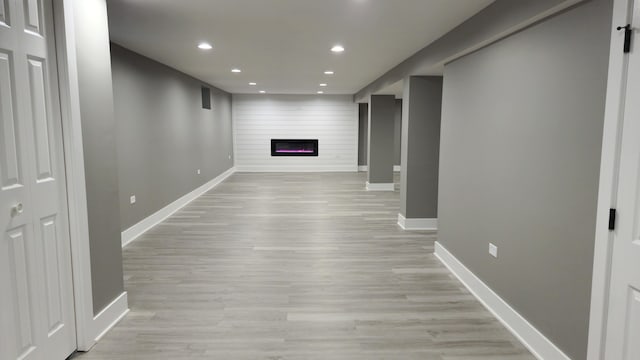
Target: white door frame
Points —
{"points": [[609, 169], [86, 329]]}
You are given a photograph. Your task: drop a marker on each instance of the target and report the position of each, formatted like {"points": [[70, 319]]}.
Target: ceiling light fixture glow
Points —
{"points": [[320, 92], [262, 91], [205, 46], [236, 70], [323, 85], [329, 72], [337, 49], [253, 84]]}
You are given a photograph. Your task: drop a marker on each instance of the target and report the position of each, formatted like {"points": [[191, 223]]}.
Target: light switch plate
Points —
{"points": [[198, 172], [493, 250], [132, 199]]}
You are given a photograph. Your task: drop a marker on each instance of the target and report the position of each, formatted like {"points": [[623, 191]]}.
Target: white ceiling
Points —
{"points": [[283, 45]]}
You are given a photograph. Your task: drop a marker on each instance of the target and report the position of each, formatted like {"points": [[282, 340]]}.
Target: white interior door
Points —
{"points": [[36, 298], [623, 329]]}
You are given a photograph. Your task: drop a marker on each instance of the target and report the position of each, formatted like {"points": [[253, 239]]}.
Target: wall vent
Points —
{"points": [[206, 98]]}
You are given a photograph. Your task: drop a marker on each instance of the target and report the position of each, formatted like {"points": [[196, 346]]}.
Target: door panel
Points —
{"points": [[4, 15], [9, 169], [40, 121], [52, 272], [22, 298], [32, 11], [632, 326], [36, 294]]}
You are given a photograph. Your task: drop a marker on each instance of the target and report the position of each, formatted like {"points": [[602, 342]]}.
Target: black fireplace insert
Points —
{"points": [[294, 147]]}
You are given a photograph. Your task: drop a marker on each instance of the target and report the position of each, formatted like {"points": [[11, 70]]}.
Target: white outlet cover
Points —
{"points": [[493, 250], [198, 171], [132, 199]]}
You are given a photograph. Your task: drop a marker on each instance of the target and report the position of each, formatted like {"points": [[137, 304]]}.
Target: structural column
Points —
{"points": [[363, 136], [380, 153], [420, 151]]}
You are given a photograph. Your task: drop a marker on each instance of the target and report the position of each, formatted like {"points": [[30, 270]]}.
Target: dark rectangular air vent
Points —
{"points": [[206, 98]]}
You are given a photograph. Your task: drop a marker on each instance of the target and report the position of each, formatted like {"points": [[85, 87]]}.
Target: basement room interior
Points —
{"points": [[335, 179]]}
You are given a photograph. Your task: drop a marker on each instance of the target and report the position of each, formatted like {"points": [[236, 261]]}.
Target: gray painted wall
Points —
{"points": [[164, 134], [397, 133], [99, 145], [382, 109], [363, 133], [520, 152], [420, 147]]}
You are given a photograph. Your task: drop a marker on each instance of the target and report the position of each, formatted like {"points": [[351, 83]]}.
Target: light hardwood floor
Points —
{"points": [[296, 266]]}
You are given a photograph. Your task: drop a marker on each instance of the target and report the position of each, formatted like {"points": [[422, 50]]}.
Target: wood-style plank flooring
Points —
{"points": [[296, 266]]}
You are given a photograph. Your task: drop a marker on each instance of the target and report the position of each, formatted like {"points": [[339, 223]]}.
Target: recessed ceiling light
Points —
{"points": [[205, 46], [323, 85], [253, 84], [320, 92], [262, 91], [236, 70], [329, 72], [337, 49]]}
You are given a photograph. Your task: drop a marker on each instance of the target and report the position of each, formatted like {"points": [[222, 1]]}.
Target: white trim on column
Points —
{"points": [[159, 216], [110, 316], [75, 173], [417, 224], [365, 168], [89, 328], [380, 186], [541, 347]]}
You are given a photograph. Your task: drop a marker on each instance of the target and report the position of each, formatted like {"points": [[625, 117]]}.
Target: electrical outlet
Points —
{"points": [[493, 250], [229, 156], [132, 199], [198, 171]]}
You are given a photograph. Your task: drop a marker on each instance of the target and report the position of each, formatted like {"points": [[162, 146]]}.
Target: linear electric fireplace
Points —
{"points": [[294, 147]]}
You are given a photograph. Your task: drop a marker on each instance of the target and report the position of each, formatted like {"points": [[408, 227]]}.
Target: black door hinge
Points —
{"points": [[628, 31], [612, 219]]}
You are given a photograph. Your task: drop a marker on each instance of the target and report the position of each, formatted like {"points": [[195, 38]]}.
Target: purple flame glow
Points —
{"points": [[294, 151]]}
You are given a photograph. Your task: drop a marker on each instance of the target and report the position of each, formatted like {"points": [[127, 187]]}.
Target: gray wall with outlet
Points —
{"points": [[168, 145], [519, 164]]}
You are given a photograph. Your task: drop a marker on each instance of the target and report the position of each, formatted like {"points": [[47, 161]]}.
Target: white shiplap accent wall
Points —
{"points": [[332, 119]]}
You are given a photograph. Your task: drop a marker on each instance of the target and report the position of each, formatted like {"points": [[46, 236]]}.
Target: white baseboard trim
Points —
{"points": [[294, 168], [380, 187], [110, 316], [541, 347], [417, 224], [365, 168], [159, 216]]}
